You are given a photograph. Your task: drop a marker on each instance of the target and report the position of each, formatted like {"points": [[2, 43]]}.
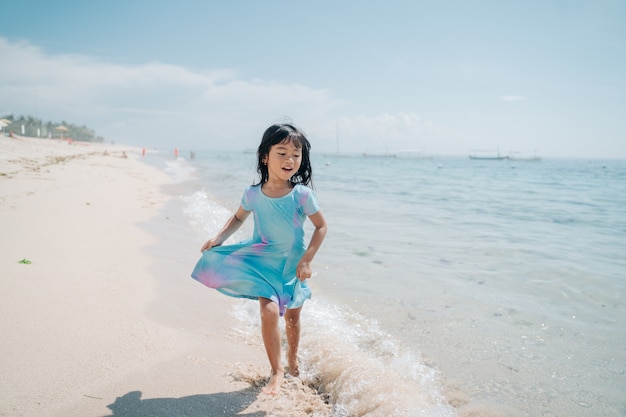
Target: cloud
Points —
{"points": [[512, 98], [153, 101], [163, 105]]}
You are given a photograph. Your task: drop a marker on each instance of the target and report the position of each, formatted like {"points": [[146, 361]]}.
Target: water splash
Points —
{"points": [[361, 370]]}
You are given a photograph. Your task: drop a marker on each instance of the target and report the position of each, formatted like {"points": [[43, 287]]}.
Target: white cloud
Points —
{"points": [[163, 105], [167, 103]]}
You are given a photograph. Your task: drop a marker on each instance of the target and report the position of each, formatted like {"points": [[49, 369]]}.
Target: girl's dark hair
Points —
{"points": [[285, 133]]}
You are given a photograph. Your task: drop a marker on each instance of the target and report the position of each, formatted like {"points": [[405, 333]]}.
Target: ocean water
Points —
{"points": [[453, 287]]}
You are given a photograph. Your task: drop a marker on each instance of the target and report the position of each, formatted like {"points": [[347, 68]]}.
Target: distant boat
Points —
{"points": [[496, 156], [487, 155], [379, 155], [489, 158]]}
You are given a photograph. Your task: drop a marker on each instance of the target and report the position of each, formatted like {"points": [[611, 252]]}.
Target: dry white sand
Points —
{"points": [[104, 320]]}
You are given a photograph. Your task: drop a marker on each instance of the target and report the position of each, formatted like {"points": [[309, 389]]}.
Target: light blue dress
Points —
{"points": [[264, 266]]}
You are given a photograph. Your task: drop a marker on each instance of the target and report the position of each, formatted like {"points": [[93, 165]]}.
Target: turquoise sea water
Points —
{"points": [[450, 286]]}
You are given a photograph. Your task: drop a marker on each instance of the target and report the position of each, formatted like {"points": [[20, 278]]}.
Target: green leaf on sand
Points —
{"points": [[25, 261]]}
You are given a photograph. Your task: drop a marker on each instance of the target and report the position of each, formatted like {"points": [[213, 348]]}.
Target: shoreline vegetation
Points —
{"points": [[36, 128]]}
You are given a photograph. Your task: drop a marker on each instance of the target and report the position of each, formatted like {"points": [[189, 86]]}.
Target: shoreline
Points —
{"points": [[105, 319]]}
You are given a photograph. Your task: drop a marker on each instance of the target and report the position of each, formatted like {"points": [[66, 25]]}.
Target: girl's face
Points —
{"points": [[283, 161]]}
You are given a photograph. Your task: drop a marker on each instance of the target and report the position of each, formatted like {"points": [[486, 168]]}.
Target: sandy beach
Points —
{"points": [[98, 314]]}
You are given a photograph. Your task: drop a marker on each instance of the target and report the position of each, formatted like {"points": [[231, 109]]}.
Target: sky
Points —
{"points": [[442, 77]]}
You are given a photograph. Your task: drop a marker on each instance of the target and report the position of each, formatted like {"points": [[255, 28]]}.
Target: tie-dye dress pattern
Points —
{"points": [[265, 265]]}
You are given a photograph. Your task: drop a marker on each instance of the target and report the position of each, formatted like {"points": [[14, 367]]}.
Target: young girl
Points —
{"points": [[274, 265]]}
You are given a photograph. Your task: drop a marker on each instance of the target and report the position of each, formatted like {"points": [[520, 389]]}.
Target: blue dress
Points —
{"points": [[264, 266]]}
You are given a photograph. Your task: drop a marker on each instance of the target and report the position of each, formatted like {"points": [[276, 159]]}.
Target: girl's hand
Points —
{"points": [[208, 245], [303, 271], [231, 226]]}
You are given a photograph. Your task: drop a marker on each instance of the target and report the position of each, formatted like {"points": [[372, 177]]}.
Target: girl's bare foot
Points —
{"points": [[273, 386], [294, 367]]}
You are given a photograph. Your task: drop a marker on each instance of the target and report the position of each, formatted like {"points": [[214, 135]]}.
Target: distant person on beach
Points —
{"points": [[275, 263]]}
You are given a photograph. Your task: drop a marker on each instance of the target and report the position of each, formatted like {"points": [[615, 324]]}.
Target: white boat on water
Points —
{"points": [[489, 158], [487, 155], [496, 156]]}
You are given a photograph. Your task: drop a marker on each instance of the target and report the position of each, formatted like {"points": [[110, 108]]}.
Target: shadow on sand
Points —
{"points": [[203, 405]]}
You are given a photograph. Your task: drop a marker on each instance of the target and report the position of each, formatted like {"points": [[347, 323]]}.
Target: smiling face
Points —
{"points": [[287, 140], [283, 161]]}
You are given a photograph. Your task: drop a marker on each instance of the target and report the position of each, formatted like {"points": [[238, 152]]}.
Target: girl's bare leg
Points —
{"points": [[292, 328], [271, 339]]}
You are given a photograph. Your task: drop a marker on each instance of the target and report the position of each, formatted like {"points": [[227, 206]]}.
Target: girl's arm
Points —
{"points": [[303, 271], [231, 226]]}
